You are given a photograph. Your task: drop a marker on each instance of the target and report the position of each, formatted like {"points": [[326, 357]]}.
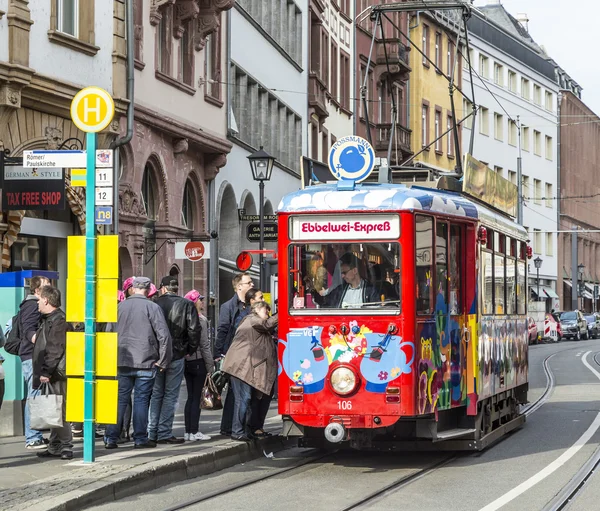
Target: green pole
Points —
{"points": [[89, 430]]}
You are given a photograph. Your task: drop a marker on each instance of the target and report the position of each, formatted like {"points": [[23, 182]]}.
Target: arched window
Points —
{"points": [[187, 206], [149, 193]]}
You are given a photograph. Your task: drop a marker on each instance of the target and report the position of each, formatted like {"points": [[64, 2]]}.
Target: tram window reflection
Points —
{"points": [[345, 276], [424, 251]]}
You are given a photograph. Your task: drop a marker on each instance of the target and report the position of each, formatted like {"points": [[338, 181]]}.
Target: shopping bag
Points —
{"points": [[220, 379], [211, 398], [46, 409]]}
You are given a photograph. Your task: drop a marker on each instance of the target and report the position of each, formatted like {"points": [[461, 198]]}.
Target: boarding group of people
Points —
{"points": [[162, 339]]}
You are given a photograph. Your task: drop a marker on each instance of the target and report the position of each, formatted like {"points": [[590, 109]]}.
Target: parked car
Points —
{"points": [[574, 325], [593, 321], [532, 330]]}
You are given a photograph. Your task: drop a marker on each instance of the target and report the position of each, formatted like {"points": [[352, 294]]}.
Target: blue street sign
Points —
{"points": [[104, 215]]}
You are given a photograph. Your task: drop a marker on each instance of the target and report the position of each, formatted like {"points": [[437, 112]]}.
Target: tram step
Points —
{"points": [[453, 433]]}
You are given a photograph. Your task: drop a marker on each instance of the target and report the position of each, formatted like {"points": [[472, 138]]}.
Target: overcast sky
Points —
{"points": [[568, 30]]}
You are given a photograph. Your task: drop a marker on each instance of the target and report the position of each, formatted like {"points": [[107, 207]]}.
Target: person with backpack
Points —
{"points": [[21, 341]]}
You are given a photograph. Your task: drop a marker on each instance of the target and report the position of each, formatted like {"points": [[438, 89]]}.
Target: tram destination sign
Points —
{"points": [[347, 227], [270, 230]]}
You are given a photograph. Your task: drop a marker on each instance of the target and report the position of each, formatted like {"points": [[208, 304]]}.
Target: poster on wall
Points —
{"points": [[33, 188]]}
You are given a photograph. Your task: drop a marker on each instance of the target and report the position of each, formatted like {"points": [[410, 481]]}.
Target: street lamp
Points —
{"points": [[580, 286], [261, 164], [538, 264]]}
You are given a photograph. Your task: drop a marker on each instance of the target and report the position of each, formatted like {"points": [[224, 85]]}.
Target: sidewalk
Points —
{"points": [[28, 482]]}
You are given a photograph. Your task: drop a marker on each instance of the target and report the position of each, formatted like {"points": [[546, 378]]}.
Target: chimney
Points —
{"points": [[523, 19]]}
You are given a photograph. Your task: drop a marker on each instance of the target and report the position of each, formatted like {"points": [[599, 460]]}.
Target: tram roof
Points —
{"points": [[394, 197]]}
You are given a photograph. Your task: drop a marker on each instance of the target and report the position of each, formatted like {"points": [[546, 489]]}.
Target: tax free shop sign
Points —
{"points": [[33, 188], [347, 227]]}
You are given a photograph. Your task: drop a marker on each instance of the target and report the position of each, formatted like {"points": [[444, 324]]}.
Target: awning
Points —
{"points": [[545, 292], [567, 282], [589, 287], [587, 295]]}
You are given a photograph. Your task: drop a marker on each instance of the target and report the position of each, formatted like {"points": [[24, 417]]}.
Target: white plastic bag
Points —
{"points": [[46, 409]]}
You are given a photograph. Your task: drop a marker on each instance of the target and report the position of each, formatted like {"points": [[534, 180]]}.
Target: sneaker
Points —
{"points": [[199, 436], [36, 445], [188, 436], [66, 455]]}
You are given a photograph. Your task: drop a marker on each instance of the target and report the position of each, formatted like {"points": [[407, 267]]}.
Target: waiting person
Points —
{"points": [[252, 295], [184, 326], [230, 315], [29, 319], [353, 293], [251, 361], [48, 353], [144, 349], [197, 366], [153, 293]]}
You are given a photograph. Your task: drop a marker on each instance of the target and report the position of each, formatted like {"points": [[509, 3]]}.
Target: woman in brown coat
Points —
{"points": [[251, 361]]}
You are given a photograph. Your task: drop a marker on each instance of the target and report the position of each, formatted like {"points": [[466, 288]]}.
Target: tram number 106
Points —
{"points": [[344, 405]]}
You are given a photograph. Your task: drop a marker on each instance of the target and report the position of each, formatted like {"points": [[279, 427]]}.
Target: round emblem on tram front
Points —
{"points": [[351, 158]]}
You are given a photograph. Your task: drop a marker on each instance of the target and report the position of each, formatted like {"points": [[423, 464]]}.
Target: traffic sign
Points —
{"points": [[104, 177], [57, 159], [244, 261], [103, 215], [269, 228], [92, 109], [104, 196]]}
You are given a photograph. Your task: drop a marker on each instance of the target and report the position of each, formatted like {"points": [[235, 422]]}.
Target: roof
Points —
{"points": [[393, 197], [499, 15]]}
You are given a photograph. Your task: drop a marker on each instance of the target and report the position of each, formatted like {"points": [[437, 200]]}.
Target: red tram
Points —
{"points": [[402, 318]]}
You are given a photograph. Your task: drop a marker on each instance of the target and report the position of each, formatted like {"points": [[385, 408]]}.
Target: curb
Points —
{"points": [[155, 474]]}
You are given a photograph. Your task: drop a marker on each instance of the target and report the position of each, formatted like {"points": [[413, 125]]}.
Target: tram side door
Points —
{"points": [[451, 261]]}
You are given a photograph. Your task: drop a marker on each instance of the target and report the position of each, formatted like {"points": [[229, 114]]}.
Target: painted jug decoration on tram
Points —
{"points": [[381, 358]]}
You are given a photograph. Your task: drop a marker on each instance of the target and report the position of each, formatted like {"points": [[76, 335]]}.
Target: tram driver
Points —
{"points": [[354, 292]]}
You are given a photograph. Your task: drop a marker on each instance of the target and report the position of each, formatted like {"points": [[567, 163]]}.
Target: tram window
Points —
{"points": [[441, 261], [499, 285], [513, 247], [490, 240], [501, 243], [521, 294], [455, 269], [345, 276], [486, 271], [424, 250], [511, 297]]}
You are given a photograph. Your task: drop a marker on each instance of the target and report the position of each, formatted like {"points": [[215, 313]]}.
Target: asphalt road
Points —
{"points": [[523, 472]]}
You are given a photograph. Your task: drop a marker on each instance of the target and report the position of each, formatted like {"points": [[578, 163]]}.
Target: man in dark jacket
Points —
{"points": [[231, 314], [184, 326], [48, 356], [144, 348], [29, 321], [353, 293]]}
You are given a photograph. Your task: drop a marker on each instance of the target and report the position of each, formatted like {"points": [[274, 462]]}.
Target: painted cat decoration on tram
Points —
{"points": [[402, 311]]}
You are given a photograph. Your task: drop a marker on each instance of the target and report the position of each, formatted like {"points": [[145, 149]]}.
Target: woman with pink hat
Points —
{"points": [[197, 366]]}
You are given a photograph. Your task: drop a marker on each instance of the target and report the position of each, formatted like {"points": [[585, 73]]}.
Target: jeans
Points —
{"points": [[259, 405], [164, 401], [241, 408], [61, 439], [227, 415], [142, 381], [195, 375], [31, 435]]}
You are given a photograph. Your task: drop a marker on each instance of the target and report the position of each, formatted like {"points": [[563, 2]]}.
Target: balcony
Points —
{"points": [[316, 96], [397, 59], [382, 141]]}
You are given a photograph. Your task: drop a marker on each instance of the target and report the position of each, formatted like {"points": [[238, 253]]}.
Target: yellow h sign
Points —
{"points": [[92, 109]]}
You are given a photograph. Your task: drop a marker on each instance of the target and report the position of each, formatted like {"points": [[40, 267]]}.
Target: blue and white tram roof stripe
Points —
{"points": [[393, 197]]}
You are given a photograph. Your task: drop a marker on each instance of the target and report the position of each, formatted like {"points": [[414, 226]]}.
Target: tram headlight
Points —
{"points": [[343, 380]]}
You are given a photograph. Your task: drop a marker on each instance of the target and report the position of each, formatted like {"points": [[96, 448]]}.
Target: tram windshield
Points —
{"points": [[345, 276]]}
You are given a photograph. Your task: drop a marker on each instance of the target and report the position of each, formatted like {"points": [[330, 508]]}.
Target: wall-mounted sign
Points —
{"points": [[54, 159], [104, 215], [192, 250], [104, 196], [349, 227], [269, 228], [33, 188]]}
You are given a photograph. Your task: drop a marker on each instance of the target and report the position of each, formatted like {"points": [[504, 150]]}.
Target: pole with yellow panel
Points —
{"points": [[92, 110]]}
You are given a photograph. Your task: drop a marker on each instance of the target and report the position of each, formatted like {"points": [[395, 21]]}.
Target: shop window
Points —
{"points": [[28, 253], [424, 252]]}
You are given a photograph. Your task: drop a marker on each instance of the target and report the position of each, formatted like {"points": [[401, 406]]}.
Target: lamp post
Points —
{"points": [[580, 285], [261, 164], [538, 264]]}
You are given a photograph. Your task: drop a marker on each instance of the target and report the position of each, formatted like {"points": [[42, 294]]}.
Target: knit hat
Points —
{"points": [[194, 296], [152, 291], [127, 284]]}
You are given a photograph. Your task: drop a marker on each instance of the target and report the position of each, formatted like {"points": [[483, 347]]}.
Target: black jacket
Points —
{"points": [[50, 345], [230, 315], [29, 321], [335, 297], [184, 325]]}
